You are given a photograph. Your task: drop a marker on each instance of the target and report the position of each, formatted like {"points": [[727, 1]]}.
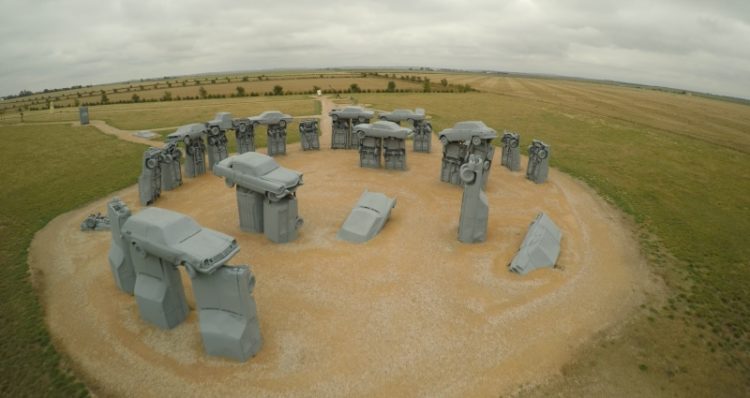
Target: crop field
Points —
{"points": [[676, 164]]}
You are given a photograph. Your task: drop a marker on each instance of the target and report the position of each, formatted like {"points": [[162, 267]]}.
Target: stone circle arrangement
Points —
{"points": [[148, 247]]}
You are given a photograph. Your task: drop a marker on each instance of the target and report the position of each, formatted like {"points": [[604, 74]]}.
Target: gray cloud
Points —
{"points": [[689, 44]]}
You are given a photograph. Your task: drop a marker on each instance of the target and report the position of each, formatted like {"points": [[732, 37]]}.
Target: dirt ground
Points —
{"points": [[412, 312]]}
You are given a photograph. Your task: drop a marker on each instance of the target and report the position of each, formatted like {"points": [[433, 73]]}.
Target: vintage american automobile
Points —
{"points": [[259, 173], [474, 131], [367, 218], [352, 112], [271, 117], [399, 115], [188, 133], [382, 129]]}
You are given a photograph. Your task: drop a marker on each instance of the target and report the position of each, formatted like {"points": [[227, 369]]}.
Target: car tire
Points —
{"points": [[542, 154], [444, 140], [467, 175], [242, 128], [514, 143], [282, 124], [215, 130], [151, 163], [476, 141]]}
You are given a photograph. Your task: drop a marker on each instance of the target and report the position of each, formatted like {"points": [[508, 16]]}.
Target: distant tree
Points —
{"points": [[260, 77], [197, 82], [228, 79], [140, 87], [391, 86], [202, 92], [245, 78], [354, 87], [169, 84], [167, 96], [135, 98], [240, 91], [213, 81], [444, 82], [278, 90], [315, 89], [104, 99], [426, 86], [76, 102]]}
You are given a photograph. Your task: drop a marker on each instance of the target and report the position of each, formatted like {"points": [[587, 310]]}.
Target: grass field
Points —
{"points": [[677, 164], [40, 182]]}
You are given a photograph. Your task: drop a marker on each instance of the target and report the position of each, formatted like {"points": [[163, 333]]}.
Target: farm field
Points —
{"points": [[677, 164]]}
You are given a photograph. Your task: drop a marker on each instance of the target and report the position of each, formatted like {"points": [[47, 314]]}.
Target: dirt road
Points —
{"points": [[412, 312]]}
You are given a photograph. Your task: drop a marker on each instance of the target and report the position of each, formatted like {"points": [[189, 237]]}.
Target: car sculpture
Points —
{"points": [[222, 121], [367, 218], [271, 117], [474, 131], [382, 129], [259, 173], [399, 115], [352, 112], [178, 239], [187, 133]]}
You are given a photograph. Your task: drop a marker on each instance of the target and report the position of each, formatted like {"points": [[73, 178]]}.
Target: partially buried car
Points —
{"points": [[474, 131], [367, 218], [382, 129], [271, 117]]}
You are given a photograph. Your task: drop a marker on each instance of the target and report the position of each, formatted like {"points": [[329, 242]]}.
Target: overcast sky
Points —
{"points": [[691, 44]]}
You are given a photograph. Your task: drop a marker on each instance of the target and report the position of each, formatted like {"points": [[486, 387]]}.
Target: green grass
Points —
{"points": [[44, 176], [689, 196]]}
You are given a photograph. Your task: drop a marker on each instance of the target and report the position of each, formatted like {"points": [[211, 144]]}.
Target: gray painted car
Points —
{"points": [[382, 129], [399, 115], [187, 133], [352, 112], [474, 131], [222, 121], [178, 239], [367, 218], [259, 173], [271, 117]]}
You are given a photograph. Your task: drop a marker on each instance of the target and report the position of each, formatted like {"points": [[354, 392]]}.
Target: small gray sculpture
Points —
{"points": [[308, 134], [119, 255], [216, 132], [540, 247], [83, 115], [343, 135], [367, 218], [266, 195], [156, 241], [276, 140], [95, 222], [244, 132], [472, 226], [149, 182], [511, 157], [195, 150], [538, 167], [388, 135], [276, 122], [462, 140], [422, 136], [169, 162]]}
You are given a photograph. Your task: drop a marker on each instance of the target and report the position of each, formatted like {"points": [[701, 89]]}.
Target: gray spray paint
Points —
{"points": [[119, 254], [169, 162], [384, 137], [459, 142], [83, 115]]}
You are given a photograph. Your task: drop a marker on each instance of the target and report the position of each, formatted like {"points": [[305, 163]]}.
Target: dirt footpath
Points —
{"points": [[412, 312]]}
